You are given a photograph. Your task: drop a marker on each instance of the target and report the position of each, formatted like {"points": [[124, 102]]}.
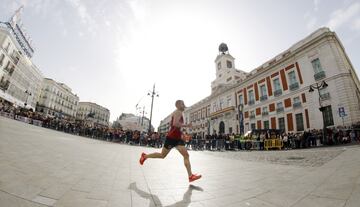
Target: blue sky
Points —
{"points": [[111, 52]]}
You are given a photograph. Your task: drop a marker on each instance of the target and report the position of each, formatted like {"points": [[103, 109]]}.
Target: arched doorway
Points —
{"points": [[222, 128]]}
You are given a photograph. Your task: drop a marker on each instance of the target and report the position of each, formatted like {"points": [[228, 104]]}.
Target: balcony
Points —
{"points": [[280, 109], [265, 113], [251, 102], [320, 75], [294, 86], [252, 116], [278, 92], [263, 98], [325, 96], [297, 105]]}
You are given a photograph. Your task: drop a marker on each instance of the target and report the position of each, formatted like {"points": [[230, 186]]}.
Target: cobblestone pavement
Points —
{"points": [[41, 167], [313, 157]]}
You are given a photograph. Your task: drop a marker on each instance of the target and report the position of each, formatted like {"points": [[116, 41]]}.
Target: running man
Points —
{"points": [[174, 139]]}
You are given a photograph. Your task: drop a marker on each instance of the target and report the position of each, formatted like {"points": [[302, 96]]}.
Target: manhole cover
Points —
{"points": [[296, 158]]}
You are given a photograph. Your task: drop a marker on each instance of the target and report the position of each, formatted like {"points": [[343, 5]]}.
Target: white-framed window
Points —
{"points": [[297, 100], [228, 102], [251, 96], [279, 105], [265, 109], [221, 103], [316, 65], [263, 91], [2, 57], [241, 99], [276, 83], [292, 77]]}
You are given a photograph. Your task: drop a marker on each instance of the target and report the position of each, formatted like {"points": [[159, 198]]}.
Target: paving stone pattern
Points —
{"points": [[41, 167]]}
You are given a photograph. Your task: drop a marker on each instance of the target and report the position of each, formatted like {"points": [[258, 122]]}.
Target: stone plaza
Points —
{"points": [[41, 167]]}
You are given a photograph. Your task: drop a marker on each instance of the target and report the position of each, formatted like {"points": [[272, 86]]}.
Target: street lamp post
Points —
{"points": [[318, 87], [28, 93], [152, 94], [241, 119]]}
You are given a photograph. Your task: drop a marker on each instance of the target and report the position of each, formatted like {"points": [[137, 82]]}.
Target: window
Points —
{"points": [[221, 101], [297, 102], [276, 84], [2, 59], [228, 101], [328, 117], [266, 124], [229, 64], [281, 123], [219, 65], [265, 111], [299, 122], [251, 97], [279, 107], [297, 99], [241, 99], [263, 90], [253, 126], [316, 65], [292, 77], [252, 114]]}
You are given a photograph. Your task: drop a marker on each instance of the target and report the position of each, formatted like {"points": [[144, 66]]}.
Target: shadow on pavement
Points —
{"points": [[184, 202]]}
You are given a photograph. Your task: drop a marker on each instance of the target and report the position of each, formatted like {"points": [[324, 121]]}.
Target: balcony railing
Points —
{"points": [[278, 92], [265, 113], [297, 105], [325, 96], [280, 109], [320, 75], [263, 98], [251, 102], [294, 86]]}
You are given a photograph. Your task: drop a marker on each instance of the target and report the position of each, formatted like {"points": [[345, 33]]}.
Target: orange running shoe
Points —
{"points": [[142, 158], [194, 177]]}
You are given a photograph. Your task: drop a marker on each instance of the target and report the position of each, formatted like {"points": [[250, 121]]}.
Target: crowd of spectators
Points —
{"points": [[252, 140]]}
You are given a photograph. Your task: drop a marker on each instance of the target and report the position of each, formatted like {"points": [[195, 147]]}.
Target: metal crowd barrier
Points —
{"points": [[23, 119], [8, 115], [273, 143], [37, 123]]}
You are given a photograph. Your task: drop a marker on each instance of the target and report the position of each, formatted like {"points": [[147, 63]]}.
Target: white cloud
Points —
{"points": [[84, 14], [343, 16]]}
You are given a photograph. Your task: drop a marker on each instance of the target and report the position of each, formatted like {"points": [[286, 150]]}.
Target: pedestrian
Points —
{"points": [[173, 139]]}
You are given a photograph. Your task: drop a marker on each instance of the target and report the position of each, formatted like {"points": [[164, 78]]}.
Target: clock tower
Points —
{"points": [[226, 74]]}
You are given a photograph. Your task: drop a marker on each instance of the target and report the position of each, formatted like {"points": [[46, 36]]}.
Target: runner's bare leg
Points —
{"points": [[161, 155], [183, 151]]}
